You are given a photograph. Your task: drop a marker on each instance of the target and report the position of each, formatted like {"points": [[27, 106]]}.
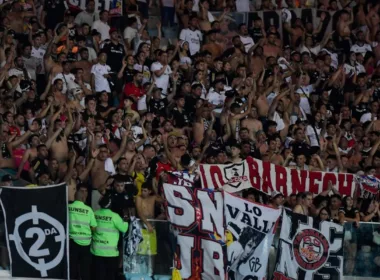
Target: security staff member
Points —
{"points": [[82, 223], [105, 240]]}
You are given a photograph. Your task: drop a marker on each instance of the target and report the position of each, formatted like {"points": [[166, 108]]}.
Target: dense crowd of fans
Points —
{"points": [[110, 109]]}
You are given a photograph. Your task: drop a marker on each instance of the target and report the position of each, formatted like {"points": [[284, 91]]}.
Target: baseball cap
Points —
{"points": [[6, 178], [274, 194], [95, 32], [112, 30], [130, 98], [11, 32]]}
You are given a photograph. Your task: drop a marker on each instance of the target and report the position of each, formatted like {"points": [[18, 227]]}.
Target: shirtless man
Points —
{"points": [[51, 66], [306, 202], [102, 168], [252, 123], [145, 204], [16, 16], [59, 98], [58, 146], [257, 61], [343, 24], [295, 32], [30, 154], [216, 49], [270, 48], [236, 116]]}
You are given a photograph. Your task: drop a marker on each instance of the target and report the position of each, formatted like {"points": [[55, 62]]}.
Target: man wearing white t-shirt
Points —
{"points": [[192, 35], [245, 38], [360, 46], [161, 72], [100, 74], [130, 31], [102, 26], [66, 76], [305, 90]]}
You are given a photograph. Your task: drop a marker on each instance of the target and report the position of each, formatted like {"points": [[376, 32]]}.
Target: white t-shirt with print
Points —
{"points": [[304, 93], [194, 37], [247, 42], [67, 79], [163, 80], [101, 83]]}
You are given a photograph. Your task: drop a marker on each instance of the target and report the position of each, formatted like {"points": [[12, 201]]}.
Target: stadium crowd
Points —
{"points": [[102, 105]]}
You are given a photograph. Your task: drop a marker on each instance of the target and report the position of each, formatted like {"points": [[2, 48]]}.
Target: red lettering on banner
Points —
{"points": [[203, 174], [281, 177], [298, 184], [345, 184], [267, 182], [215, 171], [254, 175], [329, 177], [313, 185]]}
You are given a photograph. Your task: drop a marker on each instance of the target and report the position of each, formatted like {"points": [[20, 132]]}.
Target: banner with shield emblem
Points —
{"points": [[309, 249]]}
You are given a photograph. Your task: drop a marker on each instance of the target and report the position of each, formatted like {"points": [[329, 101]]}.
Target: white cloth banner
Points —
{"points": [[267, 177], [197, 217], [250, 231], [309, 249]]}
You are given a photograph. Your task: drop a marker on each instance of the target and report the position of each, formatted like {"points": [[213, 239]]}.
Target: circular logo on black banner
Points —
{"points": [[32, 234], [311, 249]]}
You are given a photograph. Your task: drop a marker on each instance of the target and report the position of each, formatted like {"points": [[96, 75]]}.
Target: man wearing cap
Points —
{"points": [[276, 199], [156, 104], [6, 181], [102, 26], [115, 51]]}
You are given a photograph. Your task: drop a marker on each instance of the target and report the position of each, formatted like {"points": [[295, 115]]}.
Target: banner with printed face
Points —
{"points": [[250, 231], [36, 230], [309, 249], [196, 216], [115, 7], [268, 177]]}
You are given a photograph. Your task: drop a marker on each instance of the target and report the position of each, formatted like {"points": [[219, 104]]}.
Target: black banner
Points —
{"points": [[36, 222]]}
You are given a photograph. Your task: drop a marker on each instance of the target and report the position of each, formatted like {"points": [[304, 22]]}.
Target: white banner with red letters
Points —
{"points": [[218, 235], [249, 236], [309, 249], [196, 216], [268, 177]]}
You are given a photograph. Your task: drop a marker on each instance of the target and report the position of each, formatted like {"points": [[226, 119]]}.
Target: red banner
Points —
{"points": [[267, 177]]}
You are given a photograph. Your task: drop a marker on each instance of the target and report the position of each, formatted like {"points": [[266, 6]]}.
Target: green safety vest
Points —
{"points": [[106, 235], [82, 218]]}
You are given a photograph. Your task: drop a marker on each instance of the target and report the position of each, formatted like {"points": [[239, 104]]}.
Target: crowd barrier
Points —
{"points": [[361, 253]]}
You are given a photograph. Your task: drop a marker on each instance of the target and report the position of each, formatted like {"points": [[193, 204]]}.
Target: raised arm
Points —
{"points": [[120, 152], [69, 125]]}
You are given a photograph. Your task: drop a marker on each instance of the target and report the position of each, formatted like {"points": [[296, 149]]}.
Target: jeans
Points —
{"points": [[167, 16]]}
